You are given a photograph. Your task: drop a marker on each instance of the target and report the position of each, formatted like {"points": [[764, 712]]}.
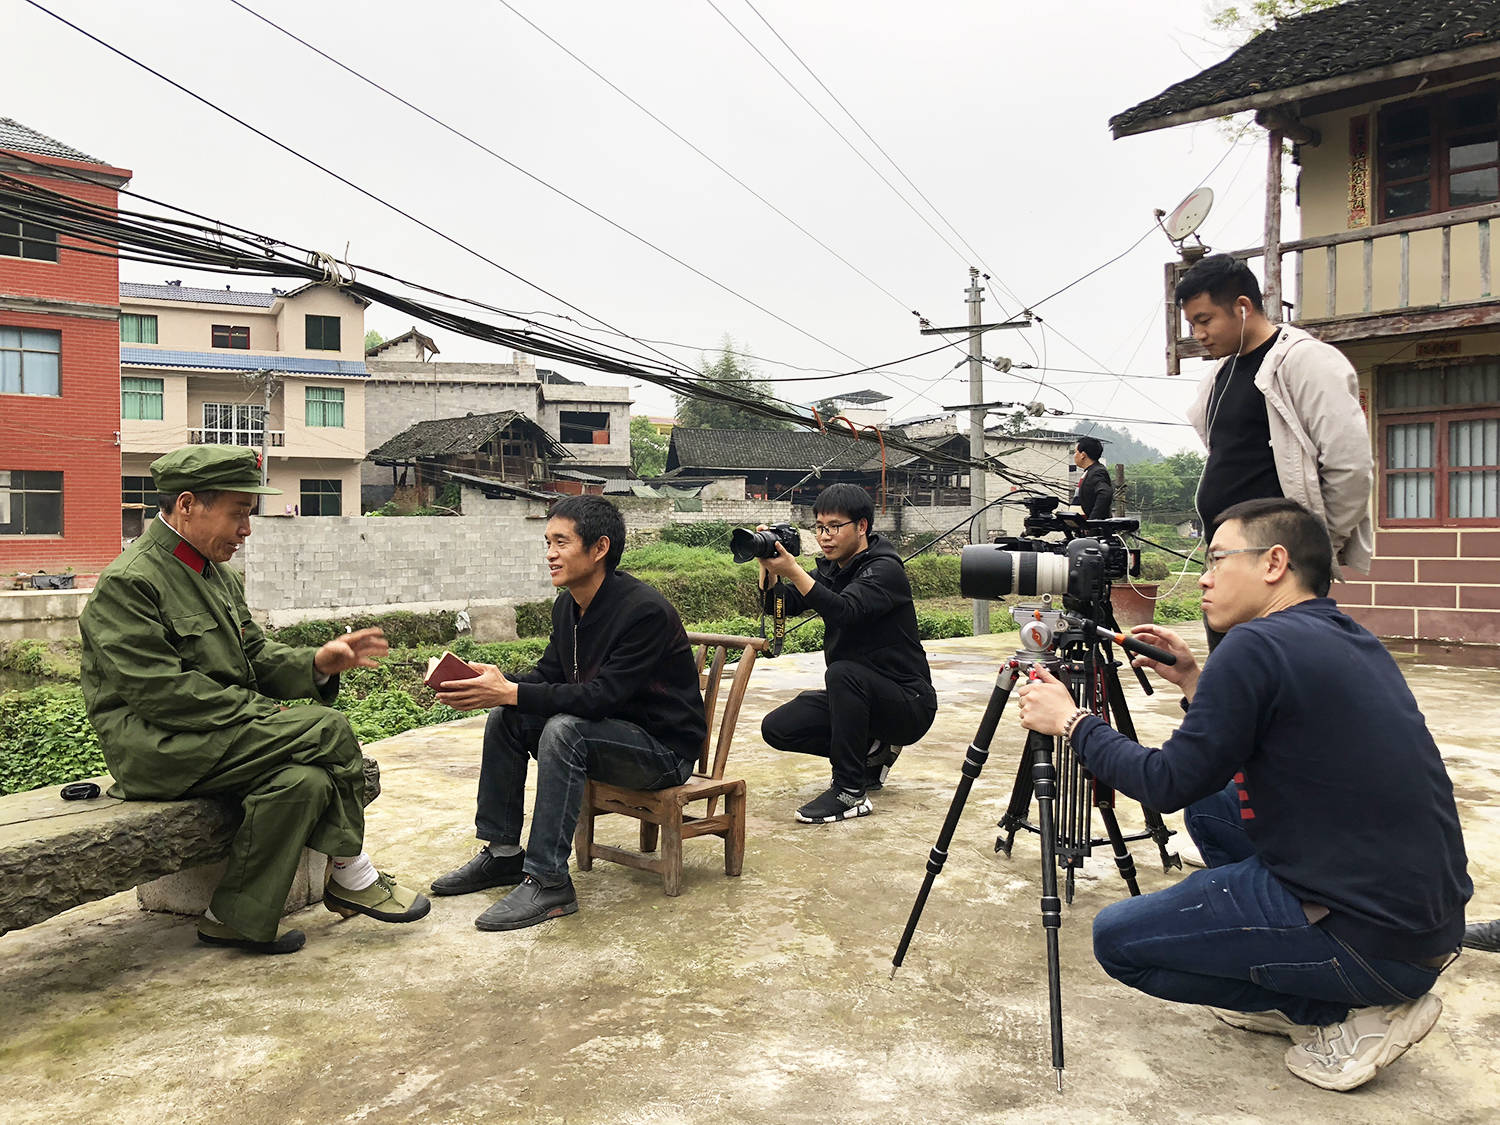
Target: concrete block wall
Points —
{"points": [[296, 569]]}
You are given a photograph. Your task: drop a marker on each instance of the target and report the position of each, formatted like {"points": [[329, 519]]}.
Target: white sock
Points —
{"points": [[209, 915], [501, 851], [354, 873]]}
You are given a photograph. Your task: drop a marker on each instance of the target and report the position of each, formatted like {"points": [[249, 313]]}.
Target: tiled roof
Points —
{"points": [[229, 360], [447, 437], [23, 138], [1348, 38], [198, 296]]}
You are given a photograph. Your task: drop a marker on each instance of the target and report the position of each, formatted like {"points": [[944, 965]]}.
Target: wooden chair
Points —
{"points": [[661, 811]]}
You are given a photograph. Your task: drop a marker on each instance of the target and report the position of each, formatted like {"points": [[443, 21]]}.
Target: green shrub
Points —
{"points": [[705, 595], [933, 624], [402, 629], [933, 576], [46, 739], [1180, 606], [675, 556], [710, 533], [534, 619]]}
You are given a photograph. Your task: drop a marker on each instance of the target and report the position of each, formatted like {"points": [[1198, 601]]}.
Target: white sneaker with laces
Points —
{"points": [[1265, 1023], [1344, 1055]]}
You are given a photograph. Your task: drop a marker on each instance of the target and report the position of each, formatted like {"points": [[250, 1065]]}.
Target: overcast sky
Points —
{"points": [[997, 112]]}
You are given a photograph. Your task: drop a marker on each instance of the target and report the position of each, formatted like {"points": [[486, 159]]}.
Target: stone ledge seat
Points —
{"points": [[57, 854]]}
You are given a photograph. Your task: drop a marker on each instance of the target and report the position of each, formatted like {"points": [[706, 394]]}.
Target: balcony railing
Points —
{"points": [[1379, 296], [276, 438]]}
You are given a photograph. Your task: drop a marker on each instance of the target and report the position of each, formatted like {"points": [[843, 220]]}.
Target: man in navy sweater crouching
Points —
{"points": [[1336, 883]]}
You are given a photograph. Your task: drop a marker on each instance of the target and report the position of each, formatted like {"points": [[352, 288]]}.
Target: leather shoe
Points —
{"points": [[216, 933], [528, 905], [1483, 935], [385, 900], [481, 873]]}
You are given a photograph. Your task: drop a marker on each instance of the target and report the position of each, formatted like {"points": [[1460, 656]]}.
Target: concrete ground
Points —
{"points": [[760, 999]]}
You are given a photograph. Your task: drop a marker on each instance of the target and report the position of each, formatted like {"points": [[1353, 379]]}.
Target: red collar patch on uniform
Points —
{"points": [[188, 555]]}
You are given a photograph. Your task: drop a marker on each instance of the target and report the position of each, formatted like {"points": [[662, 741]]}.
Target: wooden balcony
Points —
{"points": [[1360, 284]]}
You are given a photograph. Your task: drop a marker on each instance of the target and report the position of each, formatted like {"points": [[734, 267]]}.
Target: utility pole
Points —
{"points": [[978, 409], [974, 297]]}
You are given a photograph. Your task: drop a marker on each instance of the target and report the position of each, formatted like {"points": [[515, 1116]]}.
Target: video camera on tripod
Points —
{"points": [[1080, 567], [1072, 643]]}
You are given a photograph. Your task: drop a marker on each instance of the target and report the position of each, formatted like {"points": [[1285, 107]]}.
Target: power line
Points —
{"points": [[837, 132], [757, 195], [504, 160]]}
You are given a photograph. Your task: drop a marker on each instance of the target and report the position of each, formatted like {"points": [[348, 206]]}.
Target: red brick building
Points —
{"points": [[59, 367]]}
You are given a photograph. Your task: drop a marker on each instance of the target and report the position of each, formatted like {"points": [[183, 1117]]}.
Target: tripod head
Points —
{"points": [[1046, 631]]}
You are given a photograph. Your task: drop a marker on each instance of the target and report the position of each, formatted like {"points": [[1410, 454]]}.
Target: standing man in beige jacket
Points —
{"points": [[1280, 415]]}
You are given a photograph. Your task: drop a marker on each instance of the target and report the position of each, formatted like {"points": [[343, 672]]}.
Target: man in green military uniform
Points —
{"points": [[182, 687]]}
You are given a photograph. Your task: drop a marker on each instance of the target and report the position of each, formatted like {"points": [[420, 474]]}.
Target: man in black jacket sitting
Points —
{"points": [[1095, 492], [878, 694], [614, 697]]}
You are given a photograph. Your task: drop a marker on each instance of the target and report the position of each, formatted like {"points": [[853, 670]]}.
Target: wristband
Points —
{"points": [[1073, 720]]}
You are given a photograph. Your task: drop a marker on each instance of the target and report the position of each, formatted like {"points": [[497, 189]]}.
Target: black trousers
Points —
{"points": [[858, 707]]}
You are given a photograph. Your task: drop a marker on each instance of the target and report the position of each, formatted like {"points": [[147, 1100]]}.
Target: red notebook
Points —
{"points": [[446, 669]]}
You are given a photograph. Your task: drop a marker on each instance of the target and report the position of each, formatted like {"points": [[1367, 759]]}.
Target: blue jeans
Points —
{"points": [[567, 750], [1233, 936]]}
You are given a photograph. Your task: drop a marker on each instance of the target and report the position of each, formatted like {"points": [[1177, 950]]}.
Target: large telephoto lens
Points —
{"points": [[987, 571]]}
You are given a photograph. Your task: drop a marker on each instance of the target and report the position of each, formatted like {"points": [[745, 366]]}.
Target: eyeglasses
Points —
{"points": [[830, 528], [1216, 557]]}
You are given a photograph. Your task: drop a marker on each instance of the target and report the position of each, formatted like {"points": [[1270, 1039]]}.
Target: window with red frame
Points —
{"points": [[1440, 153], [1440, 444]]}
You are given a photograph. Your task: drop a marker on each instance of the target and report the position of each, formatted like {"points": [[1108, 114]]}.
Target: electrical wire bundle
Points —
{"points": [[197, 242]]}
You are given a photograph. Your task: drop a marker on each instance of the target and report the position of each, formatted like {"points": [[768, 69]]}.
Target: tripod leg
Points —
{"points": [[1156, 828], [1020, 804], [1045, 775], [1104, 798], [978, 754]]}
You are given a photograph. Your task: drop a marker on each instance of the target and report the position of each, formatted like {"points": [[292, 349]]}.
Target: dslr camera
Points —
{"points": [[1080, 566], [746, 545]]}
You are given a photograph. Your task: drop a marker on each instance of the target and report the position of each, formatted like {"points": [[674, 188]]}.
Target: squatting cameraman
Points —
{"points": [[878, 694], [1336, 881]]}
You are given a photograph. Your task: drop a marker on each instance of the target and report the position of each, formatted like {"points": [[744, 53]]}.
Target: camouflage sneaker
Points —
{"points": [[1344, 1055], [385, 900]]}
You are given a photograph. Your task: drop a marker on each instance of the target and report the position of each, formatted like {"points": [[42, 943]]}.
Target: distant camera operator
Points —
{"points": [[878, 694], [1280, 416], [1336, 881], [1096, 493]]}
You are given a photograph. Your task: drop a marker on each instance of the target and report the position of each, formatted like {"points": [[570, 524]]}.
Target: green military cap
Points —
{"points": [[210, 468]]}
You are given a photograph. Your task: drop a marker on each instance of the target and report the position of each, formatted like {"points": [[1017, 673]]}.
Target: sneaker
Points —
{"points": [[1265, 1023], [528, 905], [480, 874], [1483, 935], [216, 933], [1344, 1055], [385, 900], [878, 763], [835, 804]]}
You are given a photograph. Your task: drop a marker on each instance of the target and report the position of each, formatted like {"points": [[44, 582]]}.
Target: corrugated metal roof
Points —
{"points": [[239, 361], [1345, 39], [23, 138], [197, 296]]}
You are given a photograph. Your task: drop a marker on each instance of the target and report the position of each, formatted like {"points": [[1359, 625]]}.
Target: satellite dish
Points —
{"points": [[1189, 214]]}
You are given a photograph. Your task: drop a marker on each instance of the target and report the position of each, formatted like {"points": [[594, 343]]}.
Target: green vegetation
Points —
{"points": [[738, 377], [648, 449], [709, 533], [42, 660], [45, 739]]}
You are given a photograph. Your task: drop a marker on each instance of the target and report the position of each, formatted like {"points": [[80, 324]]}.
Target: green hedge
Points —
{"points": [[933, 576], [402, 629], [534, 619], [710, 533]]}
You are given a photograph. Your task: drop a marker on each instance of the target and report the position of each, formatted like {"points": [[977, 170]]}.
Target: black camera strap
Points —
{"points": [[778, 619]]}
